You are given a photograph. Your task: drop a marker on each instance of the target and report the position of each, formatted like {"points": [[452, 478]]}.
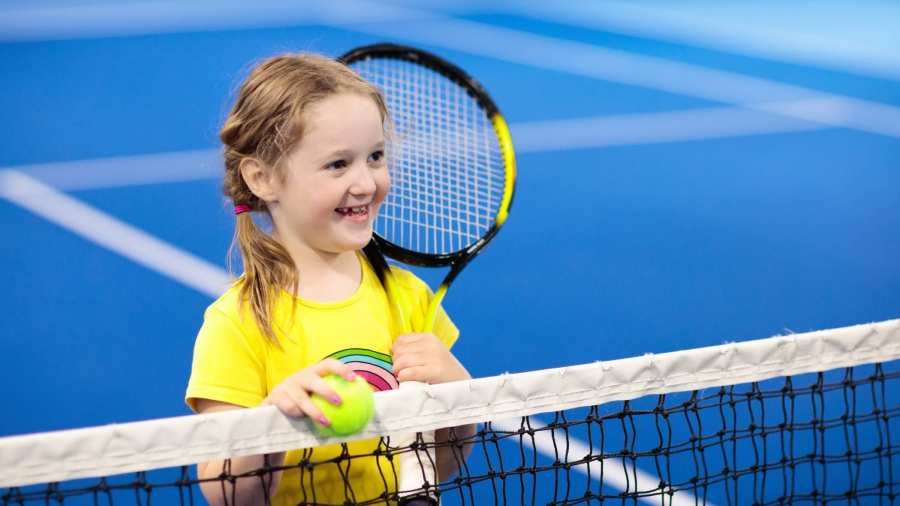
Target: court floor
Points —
{"points": [[677, 187]]}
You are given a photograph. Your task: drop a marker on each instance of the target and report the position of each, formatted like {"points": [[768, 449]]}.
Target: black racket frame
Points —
{"points": [[460, 258]]}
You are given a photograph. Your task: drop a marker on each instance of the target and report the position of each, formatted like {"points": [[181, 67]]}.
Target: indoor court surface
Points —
{"points": [[686, 178]]}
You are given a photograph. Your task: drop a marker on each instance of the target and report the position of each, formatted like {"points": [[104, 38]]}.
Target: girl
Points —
{"points": [[304, 148]]}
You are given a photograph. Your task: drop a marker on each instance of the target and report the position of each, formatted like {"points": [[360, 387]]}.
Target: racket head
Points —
{"points": [[450, 155]]}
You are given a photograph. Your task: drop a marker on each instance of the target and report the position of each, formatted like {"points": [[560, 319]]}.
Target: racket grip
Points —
{"points": [[417, 464]]}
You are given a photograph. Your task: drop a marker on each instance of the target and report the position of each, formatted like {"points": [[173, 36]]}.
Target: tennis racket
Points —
{"points": [[453, 174]]}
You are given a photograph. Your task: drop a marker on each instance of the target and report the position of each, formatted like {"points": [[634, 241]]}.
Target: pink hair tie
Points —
{"points": [[241, 208]]}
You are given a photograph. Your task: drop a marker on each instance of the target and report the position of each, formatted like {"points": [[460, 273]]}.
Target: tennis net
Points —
{"points": [[799, 419]]}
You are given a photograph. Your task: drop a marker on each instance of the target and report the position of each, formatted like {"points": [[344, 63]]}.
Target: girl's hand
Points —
{"points": [[292, 396], [423, 357]]}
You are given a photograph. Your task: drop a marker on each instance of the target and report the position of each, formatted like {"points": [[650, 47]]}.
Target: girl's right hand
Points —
{"points": [[292, 396]]}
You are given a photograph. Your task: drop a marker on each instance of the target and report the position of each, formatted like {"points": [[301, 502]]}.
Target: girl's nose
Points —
{"points": [[363, 181]]}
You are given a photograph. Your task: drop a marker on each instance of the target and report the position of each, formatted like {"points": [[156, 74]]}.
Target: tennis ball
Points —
{"points": [[356, 409]]}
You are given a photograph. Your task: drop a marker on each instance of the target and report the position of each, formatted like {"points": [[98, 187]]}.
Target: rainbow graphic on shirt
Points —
{"points": [[376, 368]]}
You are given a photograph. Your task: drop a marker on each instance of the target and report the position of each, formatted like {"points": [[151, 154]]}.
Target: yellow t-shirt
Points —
{"points": [[235, 363]]}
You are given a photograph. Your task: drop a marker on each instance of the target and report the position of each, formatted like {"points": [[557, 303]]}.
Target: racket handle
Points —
{"points": [[417, 467]]}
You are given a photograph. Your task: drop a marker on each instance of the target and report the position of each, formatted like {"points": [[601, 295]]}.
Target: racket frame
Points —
{"points": [[459, 259]]}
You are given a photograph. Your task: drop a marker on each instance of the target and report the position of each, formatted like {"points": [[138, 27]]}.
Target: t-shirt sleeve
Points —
{"points": [[419, 296], [228, 366]]}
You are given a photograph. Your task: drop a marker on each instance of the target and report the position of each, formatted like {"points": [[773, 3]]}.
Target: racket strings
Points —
{"points": [[446, 162], [455, 191], [420, 165], [442, 205]]}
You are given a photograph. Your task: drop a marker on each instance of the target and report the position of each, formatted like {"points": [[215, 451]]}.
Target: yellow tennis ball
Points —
{"points": [[356, 409]]}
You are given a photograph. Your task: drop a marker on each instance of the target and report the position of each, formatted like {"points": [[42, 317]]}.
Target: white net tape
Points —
{"points": [[114, 449]]}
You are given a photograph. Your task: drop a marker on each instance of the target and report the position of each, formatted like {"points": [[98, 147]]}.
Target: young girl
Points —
{"points": [[304, 148]]}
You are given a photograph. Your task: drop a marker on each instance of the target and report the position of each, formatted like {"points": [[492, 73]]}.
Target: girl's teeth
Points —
{"points": [[352, 210]]}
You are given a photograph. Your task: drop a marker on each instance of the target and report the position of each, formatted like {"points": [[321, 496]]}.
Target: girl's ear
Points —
{"points": [[260, 179]]}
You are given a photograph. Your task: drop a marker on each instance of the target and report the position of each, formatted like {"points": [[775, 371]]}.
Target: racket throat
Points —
{"points": [[435, 304]]}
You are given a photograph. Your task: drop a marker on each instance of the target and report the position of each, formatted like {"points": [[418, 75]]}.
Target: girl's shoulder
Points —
{"points": [[229, 303], [407, 280]]}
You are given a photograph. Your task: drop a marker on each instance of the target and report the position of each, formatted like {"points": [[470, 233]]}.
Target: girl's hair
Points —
{"points": [[265, 123]]}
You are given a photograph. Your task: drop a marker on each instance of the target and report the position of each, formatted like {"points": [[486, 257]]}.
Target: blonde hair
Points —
{"points": [[265, 123]]}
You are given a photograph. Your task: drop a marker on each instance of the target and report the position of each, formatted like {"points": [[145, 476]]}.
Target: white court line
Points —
{"points": [[120, 171], [652, 128], [124, 19], [650, 72], [200, 275], [614, 473], [113, 234], [433, 29], [753, 37], [528, 138]]}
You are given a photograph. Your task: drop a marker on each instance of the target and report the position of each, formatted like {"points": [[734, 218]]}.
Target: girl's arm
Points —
{"points": [[292, 397], [423, 357], [450, 459], [249, 490]]}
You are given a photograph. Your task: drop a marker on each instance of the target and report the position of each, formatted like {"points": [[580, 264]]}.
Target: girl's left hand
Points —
{"points": [[423, 357]]}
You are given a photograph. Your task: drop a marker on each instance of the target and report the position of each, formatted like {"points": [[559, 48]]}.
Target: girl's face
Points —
{"points": [[336, 177]]}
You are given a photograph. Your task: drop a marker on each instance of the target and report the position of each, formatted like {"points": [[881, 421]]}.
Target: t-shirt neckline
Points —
{"points": [[355, 296]]}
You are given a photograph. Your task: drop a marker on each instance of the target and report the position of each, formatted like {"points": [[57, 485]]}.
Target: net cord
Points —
{"points": [[138, 446]]}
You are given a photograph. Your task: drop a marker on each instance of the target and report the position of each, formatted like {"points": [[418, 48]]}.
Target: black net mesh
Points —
{"points": [[821, 438]]}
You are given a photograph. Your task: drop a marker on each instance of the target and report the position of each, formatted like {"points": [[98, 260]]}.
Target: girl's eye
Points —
{"points": [[337, 164], [376, 157]]}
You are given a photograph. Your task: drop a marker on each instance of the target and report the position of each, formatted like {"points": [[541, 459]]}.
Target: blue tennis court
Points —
{"points": [[686, 178]]}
